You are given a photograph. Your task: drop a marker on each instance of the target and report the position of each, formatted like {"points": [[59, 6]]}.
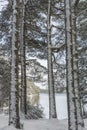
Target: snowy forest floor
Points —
{"points": [[42, 124]]}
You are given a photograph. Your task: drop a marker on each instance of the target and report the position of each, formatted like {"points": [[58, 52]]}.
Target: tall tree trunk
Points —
{"points": [[14, 106], [52, 104], [69, 67], [23, 61], [75, 70]]}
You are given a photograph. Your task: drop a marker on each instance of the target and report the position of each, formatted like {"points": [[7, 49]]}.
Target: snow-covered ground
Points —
{"points": [[52, 124], [35, 124], [44, 124]]}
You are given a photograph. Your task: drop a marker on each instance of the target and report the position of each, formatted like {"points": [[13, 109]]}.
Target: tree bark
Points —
{"points": [[69, 68], [52, 104], [23, 61], [79, 121], [14, 106]]}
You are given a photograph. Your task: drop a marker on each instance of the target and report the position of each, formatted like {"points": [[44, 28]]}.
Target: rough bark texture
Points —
{"points": [[52, 104], [79, 121], [69, 67], [23, 61], [14, 106]]}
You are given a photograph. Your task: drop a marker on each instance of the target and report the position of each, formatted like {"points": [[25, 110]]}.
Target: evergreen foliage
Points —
{"points": [[4, 79]]}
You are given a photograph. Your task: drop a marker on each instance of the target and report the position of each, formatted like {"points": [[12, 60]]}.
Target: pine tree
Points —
{"points": [[52, 104], [14, 99], [69, 68], [23, 59], [79, 120]]}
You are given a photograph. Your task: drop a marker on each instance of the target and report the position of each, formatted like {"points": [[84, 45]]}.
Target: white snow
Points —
{"points": [[41, 61], [42, 124], [35, 124], [42, 85], [61, 105], [3, 3]]}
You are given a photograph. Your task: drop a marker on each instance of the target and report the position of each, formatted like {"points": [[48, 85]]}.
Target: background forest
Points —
{"points": [[36, 57]]}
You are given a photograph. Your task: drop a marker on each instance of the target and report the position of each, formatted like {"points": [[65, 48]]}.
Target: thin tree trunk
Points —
{"points": [[14, 106], [69, 67], [75, 71], [52, 104], [10, 85], [23, 61]]}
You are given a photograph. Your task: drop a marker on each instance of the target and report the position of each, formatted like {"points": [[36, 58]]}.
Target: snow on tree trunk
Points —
{"points": [[69, 67], [14, 97], [52, 104], [23, 60], [75, 71]]}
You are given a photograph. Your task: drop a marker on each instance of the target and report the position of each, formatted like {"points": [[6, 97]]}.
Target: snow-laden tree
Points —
{"points": [[82, 49], [14, 91], [4, 80]]}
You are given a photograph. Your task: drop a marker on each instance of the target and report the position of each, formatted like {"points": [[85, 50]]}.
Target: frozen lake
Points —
{"points": [[61, 105]]}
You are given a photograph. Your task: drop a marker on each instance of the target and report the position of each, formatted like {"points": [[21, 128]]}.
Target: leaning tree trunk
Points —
{"points": [[69, 69], [23, 60], [14, 106], [79, 122], [52, 104]]}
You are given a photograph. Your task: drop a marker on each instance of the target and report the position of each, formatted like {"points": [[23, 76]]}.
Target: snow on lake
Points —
{"points": [[61, 105]]}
